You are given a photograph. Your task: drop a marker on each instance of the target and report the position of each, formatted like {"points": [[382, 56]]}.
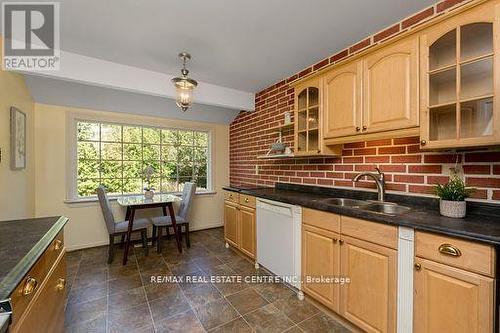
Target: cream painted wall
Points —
{"points": [[86, 227], [17, 187]]}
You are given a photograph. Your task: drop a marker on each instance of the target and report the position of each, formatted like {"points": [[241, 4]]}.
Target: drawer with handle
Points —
{"points": [[470, 256], [232, 196], [247, 200], [30, 284]]}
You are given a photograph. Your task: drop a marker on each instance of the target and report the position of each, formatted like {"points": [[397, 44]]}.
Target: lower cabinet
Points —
{"points": [[449, 299], [354, 249], [39, 298], [321, 260], [453, 285], [247, 231], [46, 311], [239, 223], [369, 300], [231, 232]]}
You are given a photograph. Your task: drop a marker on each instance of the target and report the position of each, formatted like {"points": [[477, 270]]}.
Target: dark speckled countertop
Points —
{"points": [[22, 242], [482, 222]]}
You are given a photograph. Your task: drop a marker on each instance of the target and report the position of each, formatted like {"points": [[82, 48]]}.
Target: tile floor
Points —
{"points": [[115, 298]]}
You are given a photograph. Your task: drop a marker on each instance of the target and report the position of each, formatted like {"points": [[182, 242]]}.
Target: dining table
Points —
{"points": [[138, 202]]}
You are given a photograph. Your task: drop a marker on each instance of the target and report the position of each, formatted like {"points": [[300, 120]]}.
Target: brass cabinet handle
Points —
{"points": [[61, 283], [358, 128], [418, 266], [341, 242], [423, 142], [364, 128], [29, 285], [58, 244], [246, 200], [335, 240], [450, 250]]}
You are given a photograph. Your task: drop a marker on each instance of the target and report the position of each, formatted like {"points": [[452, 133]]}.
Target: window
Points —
{"points": [[116, 156]]}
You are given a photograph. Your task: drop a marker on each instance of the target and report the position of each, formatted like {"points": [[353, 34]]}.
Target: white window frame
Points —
{"points": [[71, 148]]}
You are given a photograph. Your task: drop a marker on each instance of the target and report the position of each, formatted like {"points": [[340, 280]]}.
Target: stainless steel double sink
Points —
{"points": [[378, 207]]}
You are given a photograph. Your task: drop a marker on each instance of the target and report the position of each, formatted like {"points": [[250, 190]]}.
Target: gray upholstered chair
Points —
{"points": [[119, 228], [181, 218]]}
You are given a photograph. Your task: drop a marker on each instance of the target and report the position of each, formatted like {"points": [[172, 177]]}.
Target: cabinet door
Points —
{"points": [[320, 259], [390, 87], [45, 313], [247, 231], [449, 299], [307, 118], [459, 84], [369, 300], [342, 101], [231, 223]]}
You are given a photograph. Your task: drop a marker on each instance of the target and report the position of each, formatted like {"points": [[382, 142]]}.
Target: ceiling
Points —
{"points": [[245, 45]]}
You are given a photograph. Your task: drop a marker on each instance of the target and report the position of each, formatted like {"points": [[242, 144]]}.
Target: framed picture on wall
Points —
{"points": [[17, 139]]}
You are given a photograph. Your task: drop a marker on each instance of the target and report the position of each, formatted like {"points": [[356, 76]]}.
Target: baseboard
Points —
{"points": [[102, 243], [86, 246]]}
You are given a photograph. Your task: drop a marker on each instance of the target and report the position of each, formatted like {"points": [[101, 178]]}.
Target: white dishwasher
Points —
{"points": [[279, 239]]}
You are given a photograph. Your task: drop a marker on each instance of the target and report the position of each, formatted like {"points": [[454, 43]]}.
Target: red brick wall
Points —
{"points": [[407, 168]]}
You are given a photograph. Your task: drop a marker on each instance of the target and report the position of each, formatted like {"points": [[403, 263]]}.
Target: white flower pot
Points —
{"points": [[149, 194], [454, 209]]}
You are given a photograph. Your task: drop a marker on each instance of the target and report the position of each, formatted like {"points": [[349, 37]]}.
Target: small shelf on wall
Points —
{"points": [[275, 156]]}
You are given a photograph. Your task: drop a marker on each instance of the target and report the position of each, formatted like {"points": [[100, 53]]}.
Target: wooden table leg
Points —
{"points": [[174, 225], [129, 233]]}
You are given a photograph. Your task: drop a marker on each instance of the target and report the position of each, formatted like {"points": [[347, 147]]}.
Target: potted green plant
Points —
{"points": [[452, 197]]}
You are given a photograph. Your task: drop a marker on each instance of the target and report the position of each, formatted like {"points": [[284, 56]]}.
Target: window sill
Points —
{"points": [[114, 198]]}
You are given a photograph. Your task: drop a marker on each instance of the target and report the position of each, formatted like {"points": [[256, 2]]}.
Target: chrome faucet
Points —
{"points": [[379, 181]]}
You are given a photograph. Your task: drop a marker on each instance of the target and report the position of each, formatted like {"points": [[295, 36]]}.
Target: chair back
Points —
{"points": [[187, 199], [106, 209]]}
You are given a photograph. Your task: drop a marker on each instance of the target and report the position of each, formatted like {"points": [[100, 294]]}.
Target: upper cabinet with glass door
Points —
{"points": [[459, 57], [308, 117]]}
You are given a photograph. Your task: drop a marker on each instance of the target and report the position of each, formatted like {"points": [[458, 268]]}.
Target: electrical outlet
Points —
{"points": [[256, 170]]}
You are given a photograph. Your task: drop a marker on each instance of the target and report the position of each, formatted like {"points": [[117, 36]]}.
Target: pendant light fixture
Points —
{"points": [[184, 85]]}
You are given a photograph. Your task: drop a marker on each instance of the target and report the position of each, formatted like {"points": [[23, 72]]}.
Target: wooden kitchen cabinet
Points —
{"points": [[458, 87], [38, 300], [231, 223], [321, 259], [46, 311], [390, 87], [453, 284], [309, 119], [449, 299], [375, 96], [342, 100], [240, 223], [369, 300], [247, 231]]}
